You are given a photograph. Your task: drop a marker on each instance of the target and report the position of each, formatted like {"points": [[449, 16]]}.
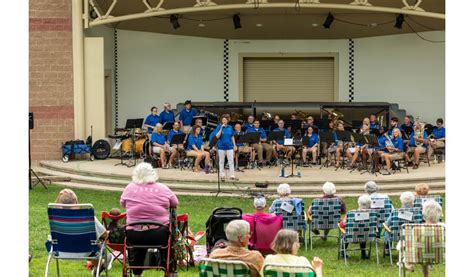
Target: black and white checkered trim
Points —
{"points": [[115, 96], [351, 70], [226, 70]]}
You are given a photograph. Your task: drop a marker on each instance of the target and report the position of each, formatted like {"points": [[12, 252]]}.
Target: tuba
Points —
{"points": [[419, 133], [301, 115], [335, 116], [388, 142], [266, 116]]}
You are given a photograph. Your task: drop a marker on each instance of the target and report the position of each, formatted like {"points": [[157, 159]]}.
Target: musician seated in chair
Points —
{"points": [[406, 123], [278, 145], [151, 120], [417, 145], [393, 150], [373, 122], [249, 122], [438, 137], [196, 149], [261, 146], [339, 144], [175, 148], [312, 147], [241, 147], [393, 125], [198, 122], [167, 114], [160, 146], [352, 153]]}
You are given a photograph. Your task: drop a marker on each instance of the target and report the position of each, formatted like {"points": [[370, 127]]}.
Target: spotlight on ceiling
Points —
{"points": [[329, 19], [174, 21], [236, 19], [399, 21]]}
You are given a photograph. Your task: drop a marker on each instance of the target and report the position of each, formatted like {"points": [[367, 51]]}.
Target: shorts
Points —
{"points": [[156, 149], [412, 149], [244, 149], [396, 156]]}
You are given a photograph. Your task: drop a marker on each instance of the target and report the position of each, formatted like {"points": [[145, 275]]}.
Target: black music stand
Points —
{"points": [[374, 143], [295, 125], [321, 123], [293, 143], [168, 126], [132, 124], [326, 138], [276, 135]]}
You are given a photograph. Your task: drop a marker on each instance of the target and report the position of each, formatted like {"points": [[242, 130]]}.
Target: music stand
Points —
{"points": [[321, 123], [326, 137], [168, 126], [131, 124], [134, 123], [276, 135], [374, 143], [295, 126]]}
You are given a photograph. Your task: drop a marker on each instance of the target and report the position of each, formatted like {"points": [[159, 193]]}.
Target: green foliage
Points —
{"points": [[199, 209]]}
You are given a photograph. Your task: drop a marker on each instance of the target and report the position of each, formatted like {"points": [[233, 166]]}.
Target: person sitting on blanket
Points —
{"points": [[238, 235], [284, 192], [67, 196], [432, 213], [407, 199], [286, 245], [329, 191]]}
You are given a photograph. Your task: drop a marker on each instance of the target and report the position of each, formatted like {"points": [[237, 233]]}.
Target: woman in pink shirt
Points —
{"points": [[146, 200]]}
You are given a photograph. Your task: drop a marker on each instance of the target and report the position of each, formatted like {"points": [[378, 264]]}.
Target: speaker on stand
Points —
{"points": [[31, 171]]}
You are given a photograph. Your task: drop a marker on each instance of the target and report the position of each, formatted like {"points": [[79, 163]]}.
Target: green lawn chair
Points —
{"points": [[223, 268], [285, 270]]}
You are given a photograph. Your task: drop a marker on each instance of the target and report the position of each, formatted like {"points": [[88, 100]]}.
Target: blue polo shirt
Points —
{"points": [[397, 143], [411, 143], [166, 117], [187, 116], [263, 134], [172, 132], [313, 139], [158, 138], [391, 130], [404, 126], [192, 140], [373, 125], [286, 135], [247, 125], [238, 134], [152, 120], [439, 132], [225, 140]]}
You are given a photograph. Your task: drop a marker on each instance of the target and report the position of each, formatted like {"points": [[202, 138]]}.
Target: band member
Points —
{"points": [[373, 122], [439, 134], [167, 114], [241, 147], [312, 146], [160, 146], [226, 146], [417, 144], [393, 150], [393, 125], [152, 119], [406, 123], [352, 153], [263, 145], [365, 121], [339, 144], [278, 145], [198, 122], [249, 122], [186, 116], [294, 116], [174, 147], [196, 149], [331, 126], [310, 122]]}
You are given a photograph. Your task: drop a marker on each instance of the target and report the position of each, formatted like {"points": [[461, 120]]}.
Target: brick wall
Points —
{"points": [[51, 77]]}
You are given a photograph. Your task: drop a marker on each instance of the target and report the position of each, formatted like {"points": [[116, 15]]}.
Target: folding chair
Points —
{"points": [[361, 226], [420, 199], [223, 268], [73, 235], [423, 244], [113, 246], [285, 270], [293, 220], [264, 229], [397, 219], [383, 206], [189, 241], [325, 215]]}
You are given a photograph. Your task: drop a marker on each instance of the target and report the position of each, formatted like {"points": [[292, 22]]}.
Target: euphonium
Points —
{"points": [[388, 142]]}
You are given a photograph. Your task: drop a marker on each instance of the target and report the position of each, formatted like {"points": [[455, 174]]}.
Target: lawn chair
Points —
{"points": [[264, 229], [115, 240], [73, 235], [223, 268], [397, 219], [423, 244], [292, 220], [325, 215], [187, 241], [420, 199], [285, 270], [383, 206], [361, 226]]}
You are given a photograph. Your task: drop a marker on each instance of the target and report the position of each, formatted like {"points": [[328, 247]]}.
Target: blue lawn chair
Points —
{"points": [[73, 235], [293, 220], [325, 215], [420, 199]]}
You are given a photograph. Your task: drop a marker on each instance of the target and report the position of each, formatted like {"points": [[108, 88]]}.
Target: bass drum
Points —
{"points": [[101, 149], [146, 148], [139, 145]]}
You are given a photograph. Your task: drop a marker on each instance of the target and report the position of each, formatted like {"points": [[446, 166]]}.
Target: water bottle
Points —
{"points": [[298, 173], [282, 171]]}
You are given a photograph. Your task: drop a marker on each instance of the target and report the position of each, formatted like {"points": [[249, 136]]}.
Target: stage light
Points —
{"points": [[399, 21], [174, 21], [327, 23], [236, 19]]}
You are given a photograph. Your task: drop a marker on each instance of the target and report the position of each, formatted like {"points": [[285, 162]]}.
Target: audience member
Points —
{"points": [[422, 189], [371, 189], [407, 200]]}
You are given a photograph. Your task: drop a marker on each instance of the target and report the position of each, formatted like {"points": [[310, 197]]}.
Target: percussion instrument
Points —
{"points": [[126, 145], [139, 145], [101, 149]]}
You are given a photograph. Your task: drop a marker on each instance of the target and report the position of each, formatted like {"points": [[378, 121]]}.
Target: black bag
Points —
{"points": [[152, 161], [116, 233], [215, 225]]}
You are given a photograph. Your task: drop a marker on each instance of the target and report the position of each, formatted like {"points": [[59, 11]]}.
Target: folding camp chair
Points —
{"points": [[188, 241], [420, 199], [116, 237], [73, 235], [286, 270], [292, 220], [325, 215], [397, 219], [223, 268], [264, 229], [423, 244], [383, 206], [361, 226]]}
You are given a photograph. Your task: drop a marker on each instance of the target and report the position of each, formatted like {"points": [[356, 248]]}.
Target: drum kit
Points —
{"points": [[131, 142]]}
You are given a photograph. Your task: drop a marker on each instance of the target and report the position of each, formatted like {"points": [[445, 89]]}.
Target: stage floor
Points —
{"points": [[106, 173]]}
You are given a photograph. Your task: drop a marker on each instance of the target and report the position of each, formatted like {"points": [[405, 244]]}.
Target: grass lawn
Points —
{"points": [[199, 209]]}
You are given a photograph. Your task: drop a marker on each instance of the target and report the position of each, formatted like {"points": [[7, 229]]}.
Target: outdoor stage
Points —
{"points": [[104, 175]]}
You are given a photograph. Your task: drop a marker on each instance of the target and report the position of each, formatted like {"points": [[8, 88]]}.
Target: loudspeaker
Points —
{"points": [[31, 120]]}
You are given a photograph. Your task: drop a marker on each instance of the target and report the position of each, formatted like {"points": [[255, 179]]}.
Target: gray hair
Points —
{"points": [[236, 228], [284, 190], [143, 173], [407, 198], [370, 187], [284, 241], [329, 188], [432, 211], [364, 201]]}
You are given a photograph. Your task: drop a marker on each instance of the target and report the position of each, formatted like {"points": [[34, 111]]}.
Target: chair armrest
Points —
{"points": [[385, 226]]}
